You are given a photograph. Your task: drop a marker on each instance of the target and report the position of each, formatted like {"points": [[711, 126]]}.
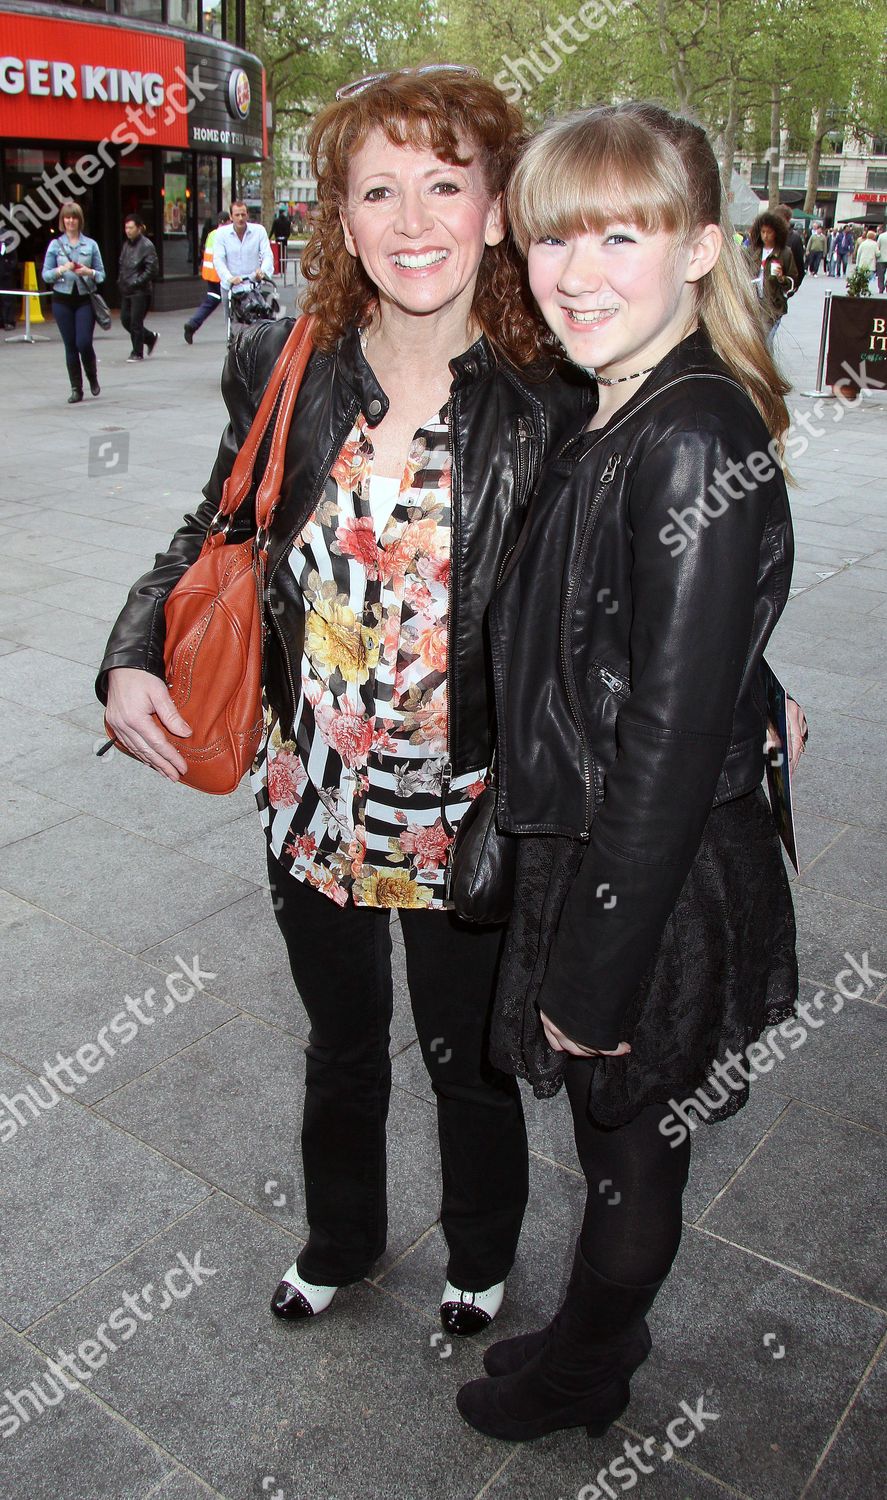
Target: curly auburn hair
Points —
{"points": [[441, 111]]}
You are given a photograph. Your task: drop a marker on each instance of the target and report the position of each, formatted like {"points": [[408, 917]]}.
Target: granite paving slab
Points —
{"points": [[855, 867], [78, 1195], [23, 812], [130, 795], [854, 1464], [812, 1198], [45, 682], [718, 1327], [829, 928], [247, 1401], [229, 1109], [566, 1466], [841, 1065], [64, 633], [64, 991], [81, 875], [67, 1446]]}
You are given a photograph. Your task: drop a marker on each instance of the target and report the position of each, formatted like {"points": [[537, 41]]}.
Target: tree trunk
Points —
{"points": [[773, 153], [728, 147], [815, 155], [268, 183]]}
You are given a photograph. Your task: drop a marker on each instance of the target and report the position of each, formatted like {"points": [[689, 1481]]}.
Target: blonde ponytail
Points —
{"points": [[729, 312]]}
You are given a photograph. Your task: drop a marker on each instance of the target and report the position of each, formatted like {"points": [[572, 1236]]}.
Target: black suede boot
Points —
{"points": [[76, 394], [579, 1374], [512, 1354]]}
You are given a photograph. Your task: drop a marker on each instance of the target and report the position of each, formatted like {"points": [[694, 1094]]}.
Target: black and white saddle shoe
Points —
{"points": [[466, 1313], [297, 1298]]}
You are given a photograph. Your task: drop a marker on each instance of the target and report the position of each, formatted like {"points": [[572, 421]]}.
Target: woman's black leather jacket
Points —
{"points": [[502, 425], [627, 639]]}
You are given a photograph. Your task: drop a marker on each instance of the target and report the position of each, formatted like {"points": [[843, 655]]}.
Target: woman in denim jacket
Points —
{"points": [[72, 265]]}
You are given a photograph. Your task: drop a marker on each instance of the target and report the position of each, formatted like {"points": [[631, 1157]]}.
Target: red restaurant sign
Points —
{"points": [[870, 197], [72, 80], [75, 82]]}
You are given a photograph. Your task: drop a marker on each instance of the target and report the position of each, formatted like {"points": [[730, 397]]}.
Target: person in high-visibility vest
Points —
{"points": [[213, 294]]}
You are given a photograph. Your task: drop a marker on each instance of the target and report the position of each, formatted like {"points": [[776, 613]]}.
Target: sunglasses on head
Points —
{"points": [[351, 90]]}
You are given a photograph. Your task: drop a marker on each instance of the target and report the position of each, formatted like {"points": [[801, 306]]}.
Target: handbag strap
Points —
{"points": [[287, 373]]}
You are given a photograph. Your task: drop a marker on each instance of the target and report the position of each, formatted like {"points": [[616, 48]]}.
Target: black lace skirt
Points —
{"points": [[726, 969]]}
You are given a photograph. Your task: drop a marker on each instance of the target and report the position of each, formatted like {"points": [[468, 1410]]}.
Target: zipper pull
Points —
{"points": [[609, 473], [446, 776]]}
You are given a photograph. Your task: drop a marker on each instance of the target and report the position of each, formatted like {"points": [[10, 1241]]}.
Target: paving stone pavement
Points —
{"points": [[177, 1151]]}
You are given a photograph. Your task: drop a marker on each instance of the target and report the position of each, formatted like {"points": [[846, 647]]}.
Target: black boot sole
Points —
{"points": [[478, 1404]]}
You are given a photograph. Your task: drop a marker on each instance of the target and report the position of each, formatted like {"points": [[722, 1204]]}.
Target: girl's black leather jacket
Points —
{"points": [[502, 425], [627, 640]]}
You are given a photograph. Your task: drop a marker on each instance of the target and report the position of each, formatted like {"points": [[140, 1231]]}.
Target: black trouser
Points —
{"points": [[133, 306], [75, 321], [341, 962], [211, 300], [636, 1178]]}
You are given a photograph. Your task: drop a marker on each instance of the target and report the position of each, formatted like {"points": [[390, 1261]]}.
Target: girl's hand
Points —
{"points": [[561, 1043], [136, 699], [796, 723], [796, 720]]}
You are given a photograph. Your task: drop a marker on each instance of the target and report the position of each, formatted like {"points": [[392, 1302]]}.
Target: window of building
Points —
{"points": [[182, 13], [141, 10], [213, 15], [794, 174], [760, 174], [178, 215], [829, 177], [879, 145], [876, 179]]}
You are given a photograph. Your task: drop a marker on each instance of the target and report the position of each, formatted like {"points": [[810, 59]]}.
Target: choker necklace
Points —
{"points": [[618, 379]]}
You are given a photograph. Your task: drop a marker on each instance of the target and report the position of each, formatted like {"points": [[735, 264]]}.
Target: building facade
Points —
{"points": [[851, 183], [146, 106]]}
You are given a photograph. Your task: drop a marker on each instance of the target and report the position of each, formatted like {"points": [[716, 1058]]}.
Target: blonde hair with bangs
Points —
{"points": [[639, 164]]}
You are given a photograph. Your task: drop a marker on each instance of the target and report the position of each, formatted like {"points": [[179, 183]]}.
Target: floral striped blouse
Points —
{"points": [[352, 802]]}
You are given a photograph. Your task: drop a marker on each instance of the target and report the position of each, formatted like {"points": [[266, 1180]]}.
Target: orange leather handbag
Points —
{"points": [[214, 621]]}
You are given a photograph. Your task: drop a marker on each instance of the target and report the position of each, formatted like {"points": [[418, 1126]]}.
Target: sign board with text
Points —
{"points": [[857, 340], [98, 80]]}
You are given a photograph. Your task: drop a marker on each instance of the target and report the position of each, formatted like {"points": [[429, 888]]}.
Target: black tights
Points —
{"points": [[634, 1239]]}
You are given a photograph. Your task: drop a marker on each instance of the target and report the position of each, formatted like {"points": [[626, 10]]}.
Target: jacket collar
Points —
{"points": [[353, 368], [694, 355]]}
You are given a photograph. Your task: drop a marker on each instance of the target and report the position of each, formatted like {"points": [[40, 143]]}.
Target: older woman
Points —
{"points": [[416, 442], [73, 263]]}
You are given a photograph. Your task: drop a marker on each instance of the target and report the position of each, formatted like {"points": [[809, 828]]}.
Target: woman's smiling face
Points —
{"points": [[419, 225], [619, 298]]}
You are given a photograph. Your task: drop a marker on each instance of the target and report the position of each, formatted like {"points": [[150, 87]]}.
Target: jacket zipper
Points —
{"points": [[455, 522], [588, 767], [611, 681]]}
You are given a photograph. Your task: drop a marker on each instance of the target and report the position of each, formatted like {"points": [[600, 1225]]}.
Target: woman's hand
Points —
{"points": [[561, 1043], [134, 698]]}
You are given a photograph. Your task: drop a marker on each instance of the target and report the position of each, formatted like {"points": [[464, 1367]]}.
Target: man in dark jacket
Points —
{"points": [[137, 270], [796, 245], [280, 232]]}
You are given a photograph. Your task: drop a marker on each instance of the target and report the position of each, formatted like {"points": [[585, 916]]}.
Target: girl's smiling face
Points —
{"points": [[620, 298]]}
